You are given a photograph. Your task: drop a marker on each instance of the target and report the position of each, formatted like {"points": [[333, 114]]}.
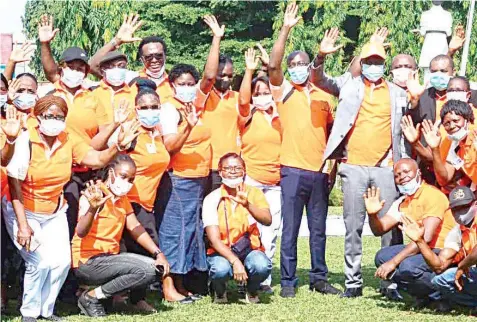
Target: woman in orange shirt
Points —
{"points": [[36, 219]]}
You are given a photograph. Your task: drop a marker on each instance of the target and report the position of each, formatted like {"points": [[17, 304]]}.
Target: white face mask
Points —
{"points": [[460, 134], [185, 94], [411, 187], [232, 183], [115, 76], [401, 75], [465, 217], [3, 99], [156, 75], [52, 127], [25, 101], [72, 78], [262, 102], [459, 96], [120, 187]]}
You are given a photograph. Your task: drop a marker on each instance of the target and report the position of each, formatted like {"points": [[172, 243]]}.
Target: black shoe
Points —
{"points": [[325, 288], [421, 303], [441, 306], [187, 300], [353, 292], [196, 297], [52, 318], [266, 289], [390, 294], [90, 306], [28, 319], [287, 291]]}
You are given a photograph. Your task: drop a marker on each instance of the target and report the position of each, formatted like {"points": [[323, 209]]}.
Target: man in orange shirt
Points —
{"points": [[367, 138], [305, 116]]}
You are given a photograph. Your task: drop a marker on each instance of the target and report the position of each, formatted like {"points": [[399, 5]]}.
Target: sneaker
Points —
{"points": [[221, 299], [52, 318], [90, 306], [252, 298], [392, 295], [266, 289], [28, 319], [242, 289], [325, 288], [287, 291], [352, 292]]}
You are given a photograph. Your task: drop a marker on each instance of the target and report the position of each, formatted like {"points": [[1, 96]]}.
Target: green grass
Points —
{"points": [[335, 211], [306, 306]]}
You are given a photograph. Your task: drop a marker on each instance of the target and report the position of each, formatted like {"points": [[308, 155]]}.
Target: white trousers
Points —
{"points": [[47, 267], [269, 234]]}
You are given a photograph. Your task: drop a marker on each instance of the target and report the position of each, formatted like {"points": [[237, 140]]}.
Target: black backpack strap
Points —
{"points": [[290, 93], [30, 144], [133, 145], [249, 121], [51, 92]]}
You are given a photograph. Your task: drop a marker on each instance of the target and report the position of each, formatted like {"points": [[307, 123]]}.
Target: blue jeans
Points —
{"points": [[303, 188], [412, 275], [257, 265], [445, 284]]}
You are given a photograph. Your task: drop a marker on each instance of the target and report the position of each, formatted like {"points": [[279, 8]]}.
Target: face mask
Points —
{"points": [[149, 118], [120, 187], [262, 102], [115, 76], [458, 96], [460, 134], [72, 78], [221, 85], [465, 217], [186, 94], [232, 183], [409, 188], [373, 72], [52, 127], [3, 99], [439, 80], [156, 75], [299, 74], [25, 101], [401, 75]]}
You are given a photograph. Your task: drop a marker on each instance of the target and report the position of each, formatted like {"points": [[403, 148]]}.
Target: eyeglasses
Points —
{"points": [[299, 64], [157, 56], [233, 169], [150, 107], [53, 117]]}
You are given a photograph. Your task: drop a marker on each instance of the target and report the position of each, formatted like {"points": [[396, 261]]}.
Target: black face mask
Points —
{"points": [[221, 85]]}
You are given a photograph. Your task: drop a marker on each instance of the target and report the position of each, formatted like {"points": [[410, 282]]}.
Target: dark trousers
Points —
{"points": [[412, 275], [214, 182], [148, 221], [303, 188], [118, 273], [163, 195]]}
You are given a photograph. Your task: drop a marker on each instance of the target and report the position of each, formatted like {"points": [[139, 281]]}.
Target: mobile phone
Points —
{"points": [[34, 243], [160, 269]]}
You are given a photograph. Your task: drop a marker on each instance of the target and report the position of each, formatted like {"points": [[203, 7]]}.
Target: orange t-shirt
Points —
{"points": [[261, 141], [304, 119], [164, 88], [428, 201], [469, 241], [440, 101], [106, 232], [152, 159], [370, 138], [221, 117], [110, 99]]}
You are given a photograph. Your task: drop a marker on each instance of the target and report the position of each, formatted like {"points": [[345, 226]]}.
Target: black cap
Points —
{"points": [[74, 53], [112, 55], [461, 196]]}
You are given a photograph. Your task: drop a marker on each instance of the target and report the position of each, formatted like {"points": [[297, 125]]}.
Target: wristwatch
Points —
{"points": [[156, 253]]}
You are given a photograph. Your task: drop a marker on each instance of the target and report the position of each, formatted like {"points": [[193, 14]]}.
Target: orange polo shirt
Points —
{"points": [[106, 232], [440, 101], [221, 117], [370, 138], [261, 141], [304, 119], [164, 88], [428, 201], [193, 159], [111, 99], [85, 112], [151, 159], [48, 174], [238, 218], [469, 241]]}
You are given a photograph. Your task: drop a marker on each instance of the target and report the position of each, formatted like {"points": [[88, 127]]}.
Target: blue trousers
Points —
{"points": [[257, 265], [444, 283], [300, 189]]}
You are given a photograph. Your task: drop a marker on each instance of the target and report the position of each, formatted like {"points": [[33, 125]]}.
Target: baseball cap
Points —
{"points": [[461, 196], [112, 55], [373, 49], [74, 53]]}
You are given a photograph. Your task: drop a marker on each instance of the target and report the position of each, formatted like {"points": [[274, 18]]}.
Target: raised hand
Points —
{"points": [[13, 87], [94, 195], [412, 229], [414, 87], [22, 53], [241, 196], [411, 133], [121, 112], [264, 57], [191, 114], [458, 39], [251, 62], [13, 123], [290, 18], [371, 201], [128, 28], [380, 35], [431, 133], [127, 133], [46, 33], [217, 30], [327, 45]]}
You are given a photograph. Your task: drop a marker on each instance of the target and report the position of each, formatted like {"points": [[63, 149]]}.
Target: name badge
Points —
{"points": [[151, 148]]}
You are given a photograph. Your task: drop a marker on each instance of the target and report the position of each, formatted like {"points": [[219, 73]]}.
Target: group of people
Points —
{"points": [[174, 181]]}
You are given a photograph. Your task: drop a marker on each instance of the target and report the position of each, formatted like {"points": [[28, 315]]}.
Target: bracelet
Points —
{"points": [[156, 253], [11, 142], [236, 259]]}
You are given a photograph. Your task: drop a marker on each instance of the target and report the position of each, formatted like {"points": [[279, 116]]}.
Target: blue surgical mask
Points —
{"points": [[149, 118], [115, 76], [186, 94], [373, 72], [439, 80], [298, 74], [3, 100], [411, 187], [25, 101]]}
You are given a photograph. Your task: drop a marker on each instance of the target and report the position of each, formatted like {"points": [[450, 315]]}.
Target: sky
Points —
{"points": [[12, 11]]}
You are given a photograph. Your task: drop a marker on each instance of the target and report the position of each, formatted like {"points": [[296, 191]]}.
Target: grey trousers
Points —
{"points": [[355, 182]]}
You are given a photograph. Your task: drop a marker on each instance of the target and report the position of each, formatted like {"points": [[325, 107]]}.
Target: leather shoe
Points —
{"points": [[325, 288], [353, 292], [287, 291], [441, 306], [391, 294]]}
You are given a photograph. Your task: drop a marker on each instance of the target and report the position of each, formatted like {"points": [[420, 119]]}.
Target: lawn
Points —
{"points": [[306, 306]]}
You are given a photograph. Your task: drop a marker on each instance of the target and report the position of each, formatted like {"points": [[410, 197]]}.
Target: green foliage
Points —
{"points": [[91, 23], [336, 197]]}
